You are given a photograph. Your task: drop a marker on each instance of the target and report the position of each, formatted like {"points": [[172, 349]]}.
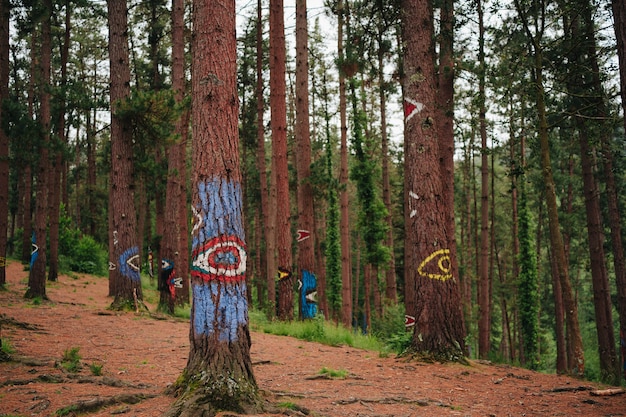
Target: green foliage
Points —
{"points": [[372, 224], [96, 369], [71, 360], [89, 257], [528, 286], [390, 328]]}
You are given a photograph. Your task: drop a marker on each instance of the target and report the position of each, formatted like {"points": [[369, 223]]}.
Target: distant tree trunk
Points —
{"points": [[4, 139], [218, 375], [619, 24], [38, 260], [306, 244], [576, 359], [278, 123], [266, 275], [439, 328], [484, 293], [91, 171], [344, 222], [173, 280], [124, 277], [390, 272], [588, 108], [59, 161]]}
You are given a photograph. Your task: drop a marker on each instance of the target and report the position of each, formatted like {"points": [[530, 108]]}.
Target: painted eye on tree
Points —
{"points": [[436, 265], [222, 258]]}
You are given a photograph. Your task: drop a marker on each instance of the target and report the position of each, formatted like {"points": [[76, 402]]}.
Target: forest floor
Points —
{"points": [[141, 354]]}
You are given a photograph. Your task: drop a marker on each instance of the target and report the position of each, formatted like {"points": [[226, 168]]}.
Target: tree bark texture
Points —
{"points": [[278, 124], [124, 258], [306, 222], [436, 302], [218, 375], [4, 139], [38, 260], [173, 276]]}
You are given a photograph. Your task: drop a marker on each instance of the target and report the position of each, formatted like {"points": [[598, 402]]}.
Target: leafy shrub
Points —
{"points": [[89, 257]]}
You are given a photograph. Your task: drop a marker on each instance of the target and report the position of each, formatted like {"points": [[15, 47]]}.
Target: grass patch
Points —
{"points": [[96, 369], [334, 373], [316, 330], [71, 360], [7, 347]]}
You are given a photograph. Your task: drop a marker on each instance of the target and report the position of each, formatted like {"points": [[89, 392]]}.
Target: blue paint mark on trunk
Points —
{"points": [[221, 307]]}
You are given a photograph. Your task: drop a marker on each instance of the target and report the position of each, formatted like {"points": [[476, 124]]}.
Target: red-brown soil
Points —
{"points": [[141, 355]]}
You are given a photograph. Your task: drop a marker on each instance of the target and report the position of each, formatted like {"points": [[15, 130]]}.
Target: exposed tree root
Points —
{"points": [[95, 404], [4, 319]]}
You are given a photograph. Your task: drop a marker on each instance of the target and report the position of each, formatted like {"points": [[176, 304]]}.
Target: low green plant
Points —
{"points": [[334, 373], [288, 405], [7, 347], [66, 411], [71, 360], [316, 330], [96, 369]]}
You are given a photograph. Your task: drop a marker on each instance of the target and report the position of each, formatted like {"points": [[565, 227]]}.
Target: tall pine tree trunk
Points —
{"points": [[278, 123], [439, 328], [218, 375], [484, 286], [266, 275], [38, 260], [4, 139], [124, 278], [344, 219], [306, 225]]}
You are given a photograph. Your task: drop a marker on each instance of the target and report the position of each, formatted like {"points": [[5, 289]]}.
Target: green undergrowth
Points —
{"points": [[316, 330]]}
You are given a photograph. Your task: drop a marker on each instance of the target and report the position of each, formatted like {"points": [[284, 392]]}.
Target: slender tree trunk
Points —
{"points": [[484, 300], [576, 360], [4, 139], [173, 279], [123, 250], [265, 275], [59, 160], [38, 260], [619, 17], [390, 270], [307, 237], [344, 221], [278, 123]]}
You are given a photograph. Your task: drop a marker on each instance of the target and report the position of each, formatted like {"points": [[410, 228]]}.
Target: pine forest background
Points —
{"points": [[503, 131]]}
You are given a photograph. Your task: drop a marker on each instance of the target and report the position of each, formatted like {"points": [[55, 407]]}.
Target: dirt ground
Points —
{"points": [[141, 355]]}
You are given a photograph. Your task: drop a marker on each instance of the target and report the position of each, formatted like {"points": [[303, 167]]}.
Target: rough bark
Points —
{"points": [[37, 274], [218, 375], [58, 163], [307, 236], [278, 123], [4, 139], [484, 293], [266, 275], [173, 279], [439, 328], [124, 278]]}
